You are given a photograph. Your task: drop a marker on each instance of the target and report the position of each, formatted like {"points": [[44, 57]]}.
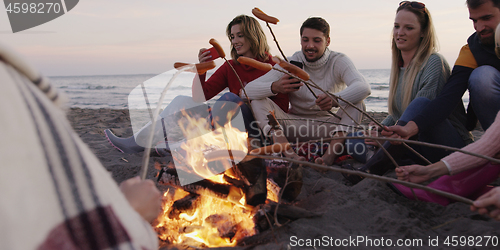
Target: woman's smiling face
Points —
{"points": [[239, 42]]}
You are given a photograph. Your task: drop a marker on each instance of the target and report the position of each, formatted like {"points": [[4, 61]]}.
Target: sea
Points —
{"points": [[145, 90]]}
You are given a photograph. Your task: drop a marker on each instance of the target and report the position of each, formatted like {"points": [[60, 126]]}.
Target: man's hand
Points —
{"points": [[325, 102], [489, 204], [143, 196], [419, 173], [285, 85]]}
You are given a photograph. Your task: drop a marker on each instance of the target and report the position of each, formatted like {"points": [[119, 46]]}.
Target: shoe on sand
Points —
{"points": [[124, 145]]}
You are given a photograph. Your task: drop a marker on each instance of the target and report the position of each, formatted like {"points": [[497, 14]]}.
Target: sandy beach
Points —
{"points": [[368, 210]]}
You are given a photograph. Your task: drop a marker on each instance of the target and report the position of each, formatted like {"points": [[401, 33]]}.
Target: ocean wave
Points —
{"points": [[380, 87], [87, 87], [376, 98]]}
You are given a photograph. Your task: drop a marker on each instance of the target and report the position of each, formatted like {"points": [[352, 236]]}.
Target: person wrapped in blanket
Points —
{"points": [[54, 192]]}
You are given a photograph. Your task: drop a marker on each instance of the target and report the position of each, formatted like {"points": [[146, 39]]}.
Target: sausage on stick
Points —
{"points": [[300, 73], [201, 68], [254, 63], [217, 47], [264, 17]]}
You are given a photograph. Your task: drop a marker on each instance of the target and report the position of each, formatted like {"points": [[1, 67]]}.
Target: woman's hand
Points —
{"points": [[489, 204], [405, 132], [373, 131], [143, 196], [204, 55], [419, 173]]}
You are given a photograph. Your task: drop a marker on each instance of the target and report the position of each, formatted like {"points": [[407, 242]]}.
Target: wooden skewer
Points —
{"points": [[367, 115], [276, 41], [427, 144], [371, 176], [314, 94]]}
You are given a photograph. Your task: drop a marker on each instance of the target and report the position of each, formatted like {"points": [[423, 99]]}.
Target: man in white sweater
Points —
{"points": [[333, 72]]}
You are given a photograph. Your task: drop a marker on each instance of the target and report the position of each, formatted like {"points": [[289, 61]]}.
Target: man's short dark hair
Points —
{"points": [[474, 4], [317, 23]]}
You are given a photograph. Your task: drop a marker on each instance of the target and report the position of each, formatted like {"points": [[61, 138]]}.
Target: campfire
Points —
{"points": [[214, 188]]}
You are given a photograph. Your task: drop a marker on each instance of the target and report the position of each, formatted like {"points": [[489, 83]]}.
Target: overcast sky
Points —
{"points": [[108, 37]]}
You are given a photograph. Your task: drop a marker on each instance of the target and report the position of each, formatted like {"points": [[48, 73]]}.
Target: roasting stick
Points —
{"points": [[371, 176], [321, 121], [285, 64], [303, 76], [395, 164], [268, 19], [367, 115], [312, 92], [202, 67], [491, 159], [222, 54], [334, 97]]}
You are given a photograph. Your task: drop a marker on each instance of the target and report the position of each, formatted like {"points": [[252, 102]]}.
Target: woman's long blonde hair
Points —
{"points": [[253, 33], [427, 46]]}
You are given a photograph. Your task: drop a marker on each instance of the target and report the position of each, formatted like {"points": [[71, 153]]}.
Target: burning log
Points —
{"points": [[216, 190], [224, 225], [250, 174], [184, 205], [254, 171]]}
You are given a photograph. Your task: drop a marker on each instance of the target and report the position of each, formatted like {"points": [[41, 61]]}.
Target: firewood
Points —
{"points": [[185, 205], [254, 171], [203, 187]]}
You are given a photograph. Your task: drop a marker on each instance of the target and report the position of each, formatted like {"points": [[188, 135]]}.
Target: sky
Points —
{"points": [[110, 37]]}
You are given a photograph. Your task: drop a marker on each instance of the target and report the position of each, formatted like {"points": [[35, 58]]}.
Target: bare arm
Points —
{"points": [[419, 173]]}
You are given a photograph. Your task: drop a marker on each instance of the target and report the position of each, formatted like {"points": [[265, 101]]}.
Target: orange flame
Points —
{"points": [[214, 222], [202, 141]]}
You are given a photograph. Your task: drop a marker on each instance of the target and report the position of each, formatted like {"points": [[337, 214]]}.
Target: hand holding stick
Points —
{"points": [[371, 176], [300, 73]]}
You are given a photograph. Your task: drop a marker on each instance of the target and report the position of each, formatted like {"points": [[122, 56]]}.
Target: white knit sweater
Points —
{"points": [[333, 72]]}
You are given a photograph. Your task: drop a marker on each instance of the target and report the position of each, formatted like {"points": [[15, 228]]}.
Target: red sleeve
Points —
{"points": [[216, 83]]}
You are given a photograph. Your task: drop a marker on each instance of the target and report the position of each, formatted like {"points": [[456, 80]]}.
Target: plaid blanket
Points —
{"points": [[54, 193]]}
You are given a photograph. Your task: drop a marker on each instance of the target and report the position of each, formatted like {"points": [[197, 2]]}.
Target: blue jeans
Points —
{"points": [[443, 133], [251, 126], [484, 89]]}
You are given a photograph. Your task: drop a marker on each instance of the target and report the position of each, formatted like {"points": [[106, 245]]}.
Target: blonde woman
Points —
{"points": [[418, 73]]}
